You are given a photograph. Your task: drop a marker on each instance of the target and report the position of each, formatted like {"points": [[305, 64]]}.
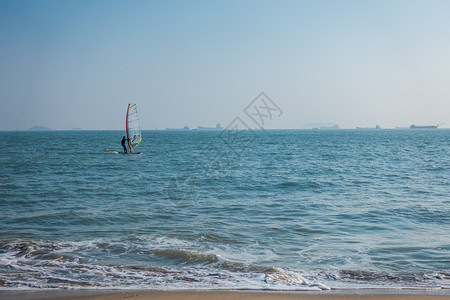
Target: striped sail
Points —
{"points": [[134, 134]]}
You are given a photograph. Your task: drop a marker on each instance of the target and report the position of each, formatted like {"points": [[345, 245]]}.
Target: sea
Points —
{"points": [[285, 210]]}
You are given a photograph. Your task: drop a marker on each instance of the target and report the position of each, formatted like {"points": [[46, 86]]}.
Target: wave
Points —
{"points": [[37, 264], [188, 256], [60, 264]]}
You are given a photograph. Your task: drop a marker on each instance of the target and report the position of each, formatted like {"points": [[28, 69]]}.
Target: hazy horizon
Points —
{"points": [[67, 64]]}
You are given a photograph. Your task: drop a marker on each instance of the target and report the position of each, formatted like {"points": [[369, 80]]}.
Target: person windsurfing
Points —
{"points": [[123, 144]]}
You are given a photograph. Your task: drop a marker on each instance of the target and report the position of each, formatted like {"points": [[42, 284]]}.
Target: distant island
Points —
{"points": [[76, 128], [38, 128]]}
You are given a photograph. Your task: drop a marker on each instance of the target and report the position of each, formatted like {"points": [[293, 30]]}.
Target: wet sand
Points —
{"points": [[223, 295]]}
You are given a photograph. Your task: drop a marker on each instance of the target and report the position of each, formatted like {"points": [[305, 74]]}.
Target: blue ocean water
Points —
{"points": [[280, 209]]}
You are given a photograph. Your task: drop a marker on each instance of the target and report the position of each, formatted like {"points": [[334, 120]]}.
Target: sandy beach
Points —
{"points": [[255, 296], [221, 295]]}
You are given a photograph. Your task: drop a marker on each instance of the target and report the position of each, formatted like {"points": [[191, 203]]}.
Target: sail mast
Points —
{"points": [[126, 126]]}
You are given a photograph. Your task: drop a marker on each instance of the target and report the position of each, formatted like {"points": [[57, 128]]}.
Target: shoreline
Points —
{"points": [[119, 294]]}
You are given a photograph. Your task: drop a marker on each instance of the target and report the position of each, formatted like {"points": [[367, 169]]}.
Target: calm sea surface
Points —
{"points": [[284, 210]]}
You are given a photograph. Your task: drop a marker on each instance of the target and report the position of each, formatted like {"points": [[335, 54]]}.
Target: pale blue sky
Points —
{"points": [[66, 64]]}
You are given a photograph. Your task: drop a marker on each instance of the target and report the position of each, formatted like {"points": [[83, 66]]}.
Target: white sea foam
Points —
{"points": [[29, 267], [60, 265]]}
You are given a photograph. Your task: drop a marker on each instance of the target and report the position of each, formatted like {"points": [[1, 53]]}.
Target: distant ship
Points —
{"points": [[425, 126], [369, 128], [329, 127], [218, 127], [173, 129]]}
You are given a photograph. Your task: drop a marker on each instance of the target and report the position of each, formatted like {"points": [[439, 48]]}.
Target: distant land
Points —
{"points": [[76, 128], [38, 128]]}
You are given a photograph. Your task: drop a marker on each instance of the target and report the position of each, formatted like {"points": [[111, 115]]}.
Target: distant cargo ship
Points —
{"points": [[177, 129], [368, 128], [218, 127], [425, 127]]}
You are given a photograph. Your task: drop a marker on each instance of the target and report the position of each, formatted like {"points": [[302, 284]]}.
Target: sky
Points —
{"points": [[78, 63]]}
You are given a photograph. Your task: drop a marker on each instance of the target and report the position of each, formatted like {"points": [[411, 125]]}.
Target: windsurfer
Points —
{"points": [[123, 144]]}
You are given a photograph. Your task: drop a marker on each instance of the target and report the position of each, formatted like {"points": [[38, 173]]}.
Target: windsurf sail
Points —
{"points": [[134, 134]]}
